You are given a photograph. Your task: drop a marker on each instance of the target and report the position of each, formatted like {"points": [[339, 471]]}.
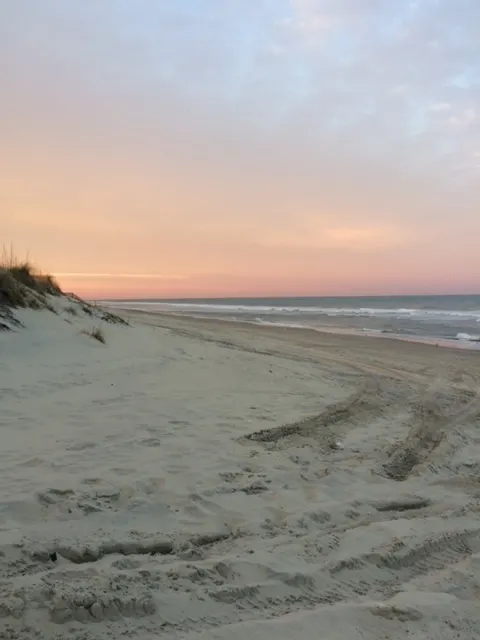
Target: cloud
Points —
{"points": [[368, 238], [122, 276], [464, 119], [239, 137], [440, 106], [400, 88]]}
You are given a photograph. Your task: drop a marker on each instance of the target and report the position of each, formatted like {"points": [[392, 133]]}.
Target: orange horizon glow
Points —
{"points": [[216, 287]]}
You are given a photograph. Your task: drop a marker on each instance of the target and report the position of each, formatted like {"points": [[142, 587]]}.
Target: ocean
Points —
{"points": [[450, 320]]}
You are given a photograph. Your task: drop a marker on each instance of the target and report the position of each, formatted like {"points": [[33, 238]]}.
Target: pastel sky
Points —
{"points": [[243, 147]]}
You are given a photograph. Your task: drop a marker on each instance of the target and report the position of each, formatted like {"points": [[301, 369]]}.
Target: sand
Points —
{"points": [[204, 480]]}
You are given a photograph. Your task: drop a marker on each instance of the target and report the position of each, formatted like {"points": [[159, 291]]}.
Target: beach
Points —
{"points": [[447, 320], [201, 479]]}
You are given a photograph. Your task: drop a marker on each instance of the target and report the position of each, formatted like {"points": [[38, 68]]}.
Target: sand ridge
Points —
{"points": [[197, 479]]}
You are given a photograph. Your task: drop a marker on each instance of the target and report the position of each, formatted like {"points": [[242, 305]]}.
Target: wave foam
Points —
{"points": [[467, 337], [256, 310]]}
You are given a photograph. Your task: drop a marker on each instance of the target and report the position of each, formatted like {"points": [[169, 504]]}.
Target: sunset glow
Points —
{"points": [[255, 147]]}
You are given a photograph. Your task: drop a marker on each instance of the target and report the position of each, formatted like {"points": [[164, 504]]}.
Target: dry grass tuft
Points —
{"points": [[22, 285], [9, 260], [96, 334], [73, 311]]}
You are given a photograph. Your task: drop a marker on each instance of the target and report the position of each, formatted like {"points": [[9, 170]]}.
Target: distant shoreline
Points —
{"points": [[167, 320], [469, 345]]}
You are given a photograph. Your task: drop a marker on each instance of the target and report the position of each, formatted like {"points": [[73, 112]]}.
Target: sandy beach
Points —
{"points": [[204, 480]]}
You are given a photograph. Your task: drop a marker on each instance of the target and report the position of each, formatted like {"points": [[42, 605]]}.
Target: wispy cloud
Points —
{"points": [[465, 118], [441, 106], [123, 276], [400, 88]]}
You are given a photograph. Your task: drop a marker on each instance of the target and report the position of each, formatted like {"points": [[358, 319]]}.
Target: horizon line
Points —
{"points": [[276, 297]]}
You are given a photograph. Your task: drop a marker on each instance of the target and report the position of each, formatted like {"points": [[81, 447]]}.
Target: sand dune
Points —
{"points": [[195, 479]]}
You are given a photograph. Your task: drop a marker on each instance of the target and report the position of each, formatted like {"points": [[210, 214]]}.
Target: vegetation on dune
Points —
{"points": [[22, 285], [96, 334], [73, 311]]}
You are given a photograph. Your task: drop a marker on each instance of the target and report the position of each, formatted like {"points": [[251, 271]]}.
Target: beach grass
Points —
{"points": [[22, 284], [96, 334], [71, 310]]}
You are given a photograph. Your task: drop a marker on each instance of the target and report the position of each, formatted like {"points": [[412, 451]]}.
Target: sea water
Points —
{"points": [[445, 319]]}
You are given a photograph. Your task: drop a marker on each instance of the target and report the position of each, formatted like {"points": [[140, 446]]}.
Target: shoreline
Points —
{"points": [[451, 321], [443, 343]]}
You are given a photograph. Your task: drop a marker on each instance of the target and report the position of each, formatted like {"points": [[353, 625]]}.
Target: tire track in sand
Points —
{"points": [[430, 426], [367, 399]]}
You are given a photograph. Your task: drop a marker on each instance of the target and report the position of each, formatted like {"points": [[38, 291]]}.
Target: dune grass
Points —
{"points": [[96, 334], [71, 310], [22, 284]]}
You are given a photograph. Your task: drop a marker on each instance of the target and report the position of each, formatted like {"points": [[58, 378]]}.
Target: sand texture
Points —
{"points": [[204, 480]]}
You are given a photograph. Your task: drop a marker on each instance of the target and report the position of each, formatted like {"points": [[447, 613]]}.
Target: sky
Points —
{"points": [[196, 148]]}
